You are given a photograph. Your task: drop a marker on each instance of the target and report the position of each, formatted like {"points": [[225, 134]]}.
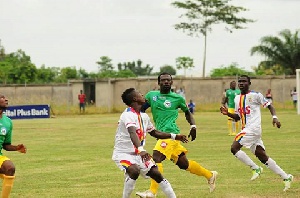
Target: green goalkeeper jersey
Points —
{"points": [[230, 94], [164, 108], [5, 131]]}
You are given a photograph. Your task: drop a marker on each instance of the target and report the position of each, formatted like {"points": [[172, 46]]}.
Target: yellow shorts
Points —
{"points": [[230, 110], [2, 159], [170, 148]]}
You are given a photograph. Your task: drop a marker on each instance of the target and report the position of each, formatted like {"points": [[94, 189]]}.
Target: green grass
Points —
{"points": [[70, 156]]}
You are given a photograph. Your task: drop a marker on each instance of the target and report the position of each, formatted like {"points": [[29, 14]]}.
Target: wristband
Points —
{"points": [[173, 136], [140, 149], [274, 116], [193, 126]]}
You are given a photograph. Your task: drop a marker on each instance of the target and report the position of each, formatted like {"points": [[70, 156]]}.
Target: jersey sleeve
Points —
{"points": [[262, 100], [8, 134], [182, 105], [128, 119], [236, 105]]}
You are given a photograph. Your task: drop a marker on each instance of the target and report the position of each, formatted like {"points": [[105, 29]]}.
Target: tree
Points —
{"points": [[19, 68], [108, 74], [125, 74], [264, 69], [202, 14], [66, 73], [105, 64], [283, 50], [45, 75], [231, 70], [83, 73], [184, 63], [5, 66], [136, 67], [168, 68], [2, 52]]}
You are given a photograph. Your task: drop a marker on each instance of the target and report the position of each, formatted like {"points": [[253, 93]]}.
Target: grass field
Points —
{"points": [[70, 156]]}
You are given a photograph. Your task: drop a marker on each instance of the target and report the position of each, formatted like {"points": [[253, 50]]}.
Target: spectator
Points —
{"points": [[81, 98], [192, 106], [181, 92], [294, 96]]}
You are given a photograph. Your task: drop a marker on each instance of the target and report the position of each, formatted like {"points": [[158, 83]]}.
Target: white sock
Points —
{"points": [[271, 164], [233, 126], [167, 188], [242, 156], [129, 185]]}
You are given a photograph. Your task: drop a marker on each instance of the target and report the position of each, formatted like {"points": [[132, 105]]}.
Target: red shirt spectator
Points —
{"points": [[81, 98]]}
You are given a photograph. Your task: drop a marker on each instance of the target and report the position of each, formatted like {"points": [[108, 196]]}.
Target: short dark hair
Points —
{"points": [[163, 73], [127, 96], [246, 76]]}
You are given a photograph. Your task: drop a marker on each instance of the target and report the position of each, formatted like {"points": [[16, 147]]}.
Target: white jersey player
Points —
{"points": [[247, 109], [129, 153]]}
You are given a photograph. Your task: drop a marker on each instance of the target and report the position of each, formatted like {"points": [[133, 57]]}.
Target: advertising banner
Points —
{"points": [[28, 111]]}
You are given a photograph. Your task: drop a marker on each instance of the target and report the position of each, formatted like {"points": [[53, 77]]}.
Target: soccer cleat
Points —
{"points": [[287, 182], [256, 173], [146, 194], [212, 181]]}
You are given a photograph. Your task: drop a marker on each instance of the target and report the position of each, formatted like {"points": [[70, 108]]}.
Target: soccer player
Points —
{"points": [[228, 99], [247, 109], [164, 107], [7, 168], [129, 153]]}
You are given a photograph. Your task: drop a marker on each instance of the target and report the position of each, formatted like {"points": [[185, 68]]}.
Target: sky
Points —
{"points": [[77, 33]]}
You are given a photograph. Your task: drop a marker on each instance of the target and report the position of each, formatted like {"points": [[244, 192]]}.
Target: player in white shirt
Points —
{"points": [[129, 153], [247, 109]]}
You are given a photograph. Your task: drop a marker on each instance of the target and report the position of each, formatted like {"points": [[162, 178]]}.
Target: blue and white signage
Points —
{"points": [[28, 111]]}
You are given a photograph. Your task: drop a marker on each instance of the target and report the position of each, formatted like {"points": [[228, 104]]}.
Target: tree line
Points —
{"points": [[281, 56], [281, 53], [17, 68]]}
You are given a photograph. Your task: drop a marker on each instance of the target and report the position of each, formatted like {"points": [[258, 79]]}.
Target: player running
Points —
{"points": [[164, 107], [247, 109]]}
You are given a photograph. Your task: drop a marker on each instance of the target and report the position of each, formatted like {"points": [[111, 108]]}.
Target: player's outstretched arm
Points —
{"points": [[161, 135], [20, 147], [224, 111]]}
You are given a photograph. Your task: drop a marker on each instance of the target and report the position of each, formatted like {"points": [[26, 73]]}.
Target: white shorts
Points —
{"points": [[124, 160], [249, 139]]}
